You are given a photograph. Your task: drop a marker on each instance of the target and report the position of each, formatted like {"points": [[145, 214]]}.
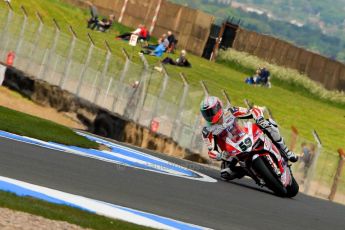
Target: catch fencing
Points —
{"points": [[133, 90]]}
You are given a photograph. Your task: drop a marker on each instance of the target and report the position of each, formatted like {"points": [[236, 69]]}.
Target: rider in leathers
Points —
{"points": [[218, 122]]}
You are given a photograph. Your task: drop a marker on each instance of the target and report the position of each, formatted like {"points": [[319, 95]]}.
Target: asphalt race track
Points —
{"points": [[221, 205]]}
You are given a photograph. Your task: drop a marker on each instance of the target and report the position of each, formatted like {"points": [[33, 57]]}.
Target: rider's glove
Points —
{"points": [[219, 155], [224, 155], [262, 122], [214, 154]]}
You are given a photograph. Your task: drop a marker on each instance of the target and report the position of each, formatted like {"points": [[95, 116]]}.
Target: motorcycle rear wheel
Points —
{"points": [[271, 181]]}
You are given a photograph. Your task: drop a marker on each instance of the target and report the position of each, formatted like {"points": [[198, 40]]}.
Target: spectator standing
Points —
{"points": [[133, 95], [307, 157], [92, 22], [135, 84]]}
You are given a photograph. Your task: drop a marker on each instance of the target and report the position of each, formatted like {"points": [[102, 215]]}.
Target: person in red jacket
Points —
{"points": [[143, 34], [141, 31], [219, 121]]}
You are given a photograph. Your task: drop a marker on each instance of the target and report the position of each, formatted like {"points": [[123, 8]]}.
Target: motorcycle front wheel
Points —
{"points": [[292, 189], [271, 181]]}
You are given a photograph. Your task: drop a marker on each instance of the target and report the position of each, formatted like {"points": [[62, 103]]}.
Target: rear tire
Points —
{"points": [[292, 189], [271, 181]]}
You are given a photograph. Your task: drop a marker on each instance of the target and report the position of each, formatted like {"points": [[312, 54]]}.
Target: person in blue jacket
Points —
{"points": [[158, 51]]}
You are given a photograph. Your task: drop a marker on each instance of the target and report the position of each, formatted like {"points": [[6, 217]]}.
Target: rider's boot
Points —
{"points": [[286, 151], [272, 131], [229, 171]]}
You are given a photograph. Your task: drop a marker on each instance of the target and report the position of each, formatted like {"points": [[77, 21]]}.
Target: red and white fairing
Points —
{"points": [[250, 141]]}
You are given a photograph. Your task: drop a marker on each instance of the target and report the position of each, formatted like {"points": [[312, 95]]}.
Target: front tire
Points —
{"points": [[271, 181], [292, 189]]}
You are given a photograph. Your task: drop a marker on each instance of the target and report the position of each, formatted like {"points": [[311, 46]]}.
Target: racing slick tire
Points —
{"points": [[292, 189], [271, 181]]}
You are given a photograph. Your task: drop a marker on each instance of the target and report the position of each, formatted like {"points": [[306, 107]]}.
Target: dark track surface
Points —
{"points": [[221, 205]]}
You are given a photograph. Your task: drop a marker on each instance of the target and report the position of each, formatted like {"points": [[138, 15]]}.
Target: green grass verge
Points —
{"points": [[27, 125], [62, 213]]}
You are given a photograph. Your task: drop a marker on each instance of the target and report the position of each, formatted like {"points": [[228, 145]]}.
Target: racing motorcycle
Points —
{"points": [[261, 159]]}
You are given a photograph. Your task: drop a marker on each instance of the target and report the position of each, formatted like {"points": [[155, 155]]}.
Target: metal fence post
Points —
{"points": [[337, 174], [195, 130], [104, 73], [69, 59], [51, 51], [155, 16], [204, 87], [227, 98], [94, 83], [177, 122], [122, 78], [87, 62], [314, 162], [44, 60], [143, 83], [108, 89], [21, 34], [270, 114], [36, 40], [4, 38], [294, 136], [198, 118], [249, 104], [123, 9], [161, 92]]}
